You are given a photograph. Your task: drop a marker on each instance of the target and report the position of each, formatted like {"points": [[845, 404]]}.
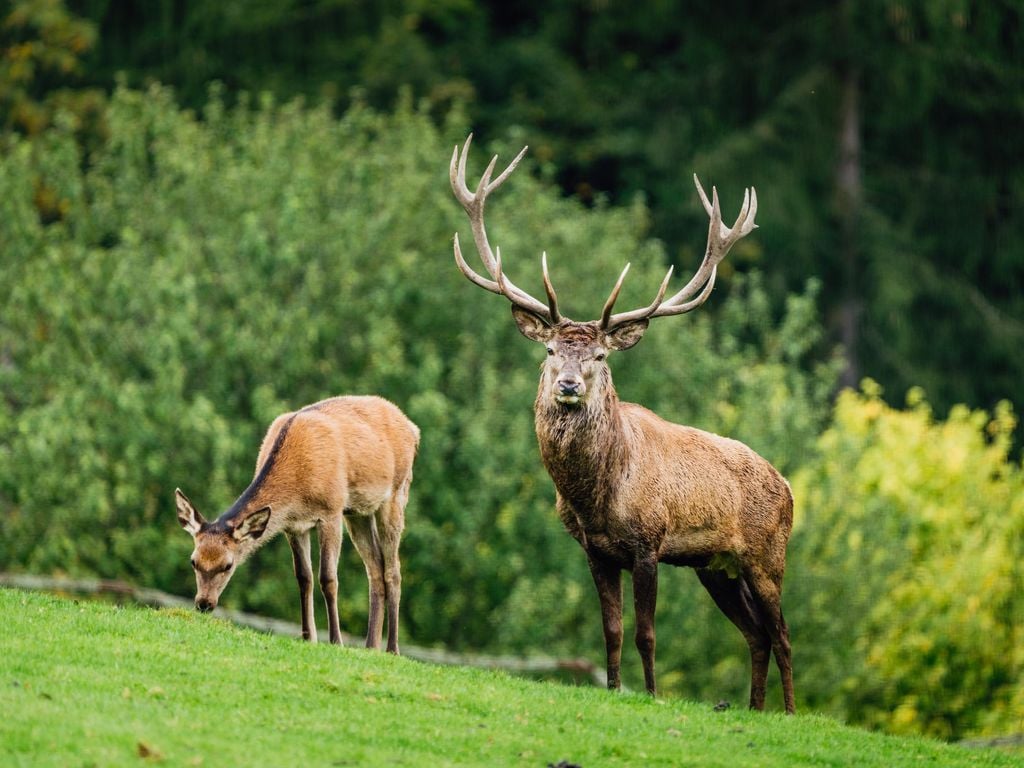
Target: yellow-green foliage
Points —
{"points": [[906, 561]]}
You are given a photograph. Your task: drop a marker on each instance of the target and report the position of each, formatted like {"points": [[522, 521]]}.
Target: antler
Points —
{"points": [[720, 239], [473, 203]]}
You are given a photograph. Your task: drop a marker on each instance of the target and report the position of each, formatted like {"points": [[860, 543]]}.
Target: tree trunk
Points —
{"points": [[849, 195]]}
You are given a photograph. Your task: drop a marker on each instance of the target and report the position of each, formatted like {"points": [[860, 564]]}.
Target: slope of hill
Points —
{"points": [[93, 684]]}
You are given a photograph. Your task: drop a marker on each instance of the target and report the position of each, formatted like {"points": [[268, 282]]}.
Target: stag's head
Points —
{"points": [[575, 370], [220, 546]]}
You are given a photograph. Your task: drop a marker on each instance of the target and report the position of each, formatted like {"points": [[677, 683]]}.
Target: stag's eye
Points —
{"points": [[551, 350], [599, 356]]}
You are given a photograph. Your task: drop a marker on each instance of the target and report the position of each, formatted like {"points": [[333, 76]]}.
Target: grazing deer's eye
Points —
{"points": [[551, 350], [599, 356]]}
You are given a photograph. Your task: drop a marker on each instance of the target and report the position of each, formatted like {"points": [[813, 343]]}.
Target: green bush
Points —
{"points": [[208, 272], [907, 569]]}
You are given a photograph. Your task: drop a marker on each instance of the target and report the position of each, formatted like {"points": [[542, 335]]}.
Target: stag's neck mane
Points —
{"points": [[585, 449]]}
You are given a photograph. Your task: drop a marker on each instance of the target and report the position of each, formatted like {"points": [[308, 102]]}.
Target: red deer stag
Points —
{"points": [[345, 458], [635, 490]]}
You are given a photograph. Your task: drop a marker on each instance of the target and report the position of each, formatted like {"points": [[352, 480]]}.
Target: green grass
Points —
{"points": [[87, 684]]}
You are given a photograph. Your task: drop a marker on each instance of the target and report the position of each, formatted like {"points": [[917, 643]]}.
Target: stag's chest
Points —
{"points": [[584, 475], [608, 533]]}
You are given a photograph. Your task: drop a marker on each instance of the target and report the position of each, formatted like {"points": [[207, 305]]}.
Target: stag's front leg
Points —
{"points": [[329, 534], [645, 597], [608, 580], [304, 576]]}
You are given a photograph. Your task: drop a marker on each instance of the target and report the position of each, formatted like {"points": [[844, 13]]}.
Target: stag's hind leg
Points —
{"points": [[734, 599], [645, 597], [767, 590], [363, 530]]}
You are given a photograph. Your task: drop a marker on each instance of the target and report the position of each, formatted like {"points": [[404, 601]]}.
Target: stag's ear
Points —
{"points": [[532, 326], [188, 516], [251, 525], [626, 335]]}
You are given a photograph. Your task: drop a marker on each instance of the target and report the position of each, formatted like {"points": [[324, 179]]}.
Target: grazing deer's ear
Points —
{"points": [[626, 335], [252, 524], [532, 326], [189, 518]]}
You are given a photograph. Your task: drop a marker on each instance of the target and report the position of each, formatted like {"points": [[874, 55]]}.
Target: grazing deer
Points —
{"points": [[345, 458], [635, 490]]}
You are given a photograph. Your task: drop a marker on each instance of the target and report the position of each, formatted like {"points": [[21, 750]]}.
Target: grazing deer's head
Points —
{"points": [[220, 546], [575, 372]]}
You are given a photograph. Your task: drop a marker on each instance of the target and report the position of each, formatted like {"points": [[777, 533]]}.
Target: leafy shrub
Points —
{"points": [[906, 569]]}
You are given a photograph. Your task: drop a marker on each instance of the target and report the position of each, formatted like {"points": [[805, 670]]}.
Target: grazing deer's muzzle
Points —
{"points": [[205, 606]]}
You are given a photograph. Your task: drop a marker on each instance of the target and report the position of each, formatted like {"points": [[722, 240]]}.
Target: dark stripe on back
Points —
{"points": [[258, 481]]}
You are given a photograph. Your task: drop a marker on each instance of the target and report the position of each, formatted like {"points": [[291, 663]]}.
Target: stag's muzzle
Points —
{"points": [[570, 390]]}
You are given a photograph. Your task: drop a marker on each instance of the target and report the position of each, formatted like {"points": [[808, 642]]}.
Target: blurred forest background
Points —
{"points": [[214, 212]]}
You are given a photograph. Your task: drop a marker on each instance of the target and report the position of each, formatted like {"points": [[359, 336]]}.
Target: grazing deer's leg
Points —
{"points": [[767, 589], [329, 534], [734, 599], [363, 529], [392, 520], [304, 576], [645, 597], [608, 580]]}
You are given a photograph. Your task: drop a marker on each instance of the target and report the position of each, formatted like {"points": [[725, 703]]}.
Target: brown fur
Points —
{"points": [[346, 458], [636, 490]]}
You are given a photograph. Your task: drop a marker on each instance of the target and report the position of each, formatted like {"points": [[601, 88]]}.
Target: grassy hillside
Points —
{"points": [[89, 684]]}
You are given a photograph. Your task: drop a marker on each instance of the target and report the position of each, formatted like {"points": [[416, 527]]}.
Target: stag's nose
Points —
{"points": [[204, 606], [569, 391], [569, 387]]}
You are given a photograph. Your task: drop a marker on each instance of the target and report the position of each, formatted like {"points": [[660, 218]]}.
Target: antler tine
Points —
{"points": [[483, 282], [606, 312], [549, 289], [484, 185], [609, 322], [524, 300], [511, 167], [457, 172], [666, 309], [720, 239], [703, 196], [473, 203], [749, 224]]}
